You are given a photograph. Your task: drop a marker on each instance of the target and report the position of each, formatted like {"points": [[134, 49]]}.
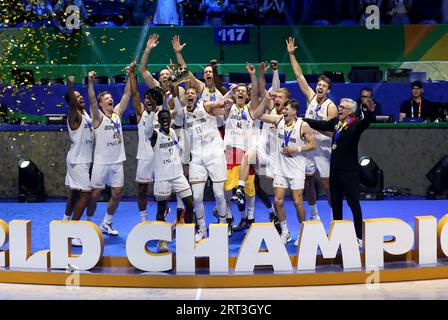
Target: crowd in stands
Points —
{"points": [[216, 13]]}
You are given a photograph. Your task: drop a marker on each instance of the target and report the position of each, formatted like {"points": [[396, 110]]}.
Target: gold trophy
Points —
{"points": [[179, 73]]}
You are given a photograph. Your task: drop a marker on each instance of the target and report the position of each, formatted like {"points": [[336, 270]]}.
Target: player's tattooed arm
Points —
{"points": [[95, 113]]}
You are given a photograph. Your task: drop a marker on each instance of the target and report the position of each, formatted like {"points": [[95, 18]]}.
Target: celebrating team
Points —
{"points": [[180, 145]]}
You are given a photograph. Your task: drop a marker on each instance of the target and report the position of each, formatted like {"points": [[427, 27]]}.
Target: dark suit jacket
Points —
{"points": [[345, 156]]}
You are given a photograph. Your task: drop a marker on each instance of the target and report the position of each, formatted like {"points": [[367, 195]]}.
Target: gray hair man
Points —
{"points": [[344, 176]]}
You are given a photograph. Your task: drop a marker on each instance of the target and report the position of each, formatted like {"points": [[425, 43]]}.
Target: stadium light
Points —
{"points": [[438, 176], [371, 179], [31, 182]]}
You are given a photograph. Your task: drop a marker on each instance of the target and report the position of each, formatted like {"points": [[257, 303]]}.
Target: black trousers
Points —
{"points": [[345, 182]]}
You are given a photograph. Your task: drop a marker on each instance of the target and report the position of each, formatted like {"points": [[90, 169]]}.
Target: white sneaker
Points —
{"points": [[201, 234], [314, 217], [144, 218], [286, 237], [76, 242], [359, 242], [296, 243], [162, 246], [107, 228]]}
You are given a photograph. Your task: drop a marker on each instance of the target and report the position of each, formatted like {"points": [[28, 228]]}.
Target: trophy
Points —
{"points": [[179, 73]]}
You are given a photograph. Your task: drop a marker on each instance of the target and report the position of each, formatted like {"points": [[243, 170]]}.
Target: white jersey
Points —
{"points": [[240, 129], [109, 142], [267, 136], [208, 96], [202, 132], [81, 149], [319, 112], [167, 157], [144, 149], [290, 166]]}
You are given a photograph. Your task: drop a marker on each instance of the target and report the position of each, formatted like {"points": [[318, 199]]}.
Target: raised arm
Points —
{"points": [[275, 76], [177, 48], [263, 116], [262, 68], [216, 78], [153, 41], [303, 84], [136, 101], [254, 92], [74, 117], [369, 115], [121, 107], [95, 113]]}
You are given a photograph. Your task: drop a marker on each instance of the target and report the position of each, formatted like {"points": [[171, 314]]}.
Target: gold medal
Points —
{"points": [[334, 146]]}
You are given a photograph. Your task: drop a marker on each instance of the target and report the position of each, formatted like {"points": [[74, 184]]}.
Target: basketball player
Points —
{"points": [[164, 74], [260, 157], [207, 90], [79, 157], [319, 107], [294, 137], [164, 83], [168, 171], [198, 118], [145, 154], [109, 151], [240, 138]]}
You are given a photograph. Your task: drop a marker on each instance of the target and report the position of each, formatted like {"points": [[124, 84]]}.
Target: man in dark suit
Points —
{"points": [[344, 169]]}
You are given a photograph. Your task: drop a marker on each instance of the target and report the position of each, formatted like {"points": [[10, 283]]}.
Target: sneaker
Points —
{"points": [[76, 242], [296, 243], [242, 225], [286, 237], [107, 228], [201, 233], [359, 242], [250, 221], [144, 218], [162, 246], [230, 226], [239, 198], [314, 217]]}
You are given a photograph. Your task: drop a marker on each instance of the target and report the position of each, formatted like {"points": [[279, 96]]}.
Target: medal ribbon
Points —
{"points": [[340, 127], [116, 124], [287, 133], [319, 106], [243, 113], [89, 123]]}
